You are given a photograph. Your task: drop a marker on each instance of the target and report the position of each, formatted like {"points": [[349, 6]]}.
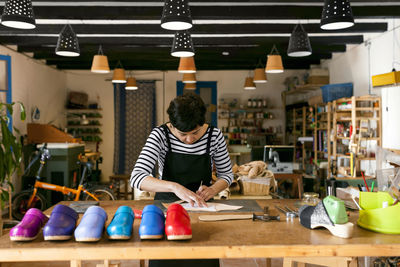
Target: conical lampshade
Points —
{"points": [[100, 64], [176, 15], [186, 65], [182, 45], [189, 78], [249, 84], [18, 14], [119, 76], [260, 76], [131, 84], [67, 43], [336, 15], [190, 86], [274, 64], [299, 43]]}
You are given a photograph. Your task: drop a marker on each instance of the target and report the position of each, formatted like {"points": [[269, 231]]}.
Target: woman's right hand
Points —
{"points": [[189, 196]]}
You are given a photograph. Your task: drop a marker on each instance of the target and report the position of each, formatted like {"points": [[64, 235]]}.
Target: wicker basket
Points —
{"points": [[256, 186]]}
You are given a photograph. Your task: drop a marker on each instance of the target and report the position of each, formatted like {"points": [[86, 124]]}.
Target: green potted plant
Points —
{"points": [[10, 151]]}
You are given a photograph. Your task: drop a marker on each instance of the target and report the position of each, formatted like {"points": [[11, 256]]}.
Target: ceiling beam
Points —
{"points": [[32, 40], [198, 29], [204, 12]]}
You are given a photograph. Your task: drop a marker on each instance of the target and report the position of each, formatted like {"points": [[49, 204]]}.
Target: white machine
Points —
{"points": [[279, 158]]}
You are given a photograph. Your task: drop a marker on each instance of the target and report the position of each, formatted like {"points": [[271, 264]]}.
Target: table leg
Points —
{"points": [[300, 185], [76, 263], [141, 263], [268, 262]]}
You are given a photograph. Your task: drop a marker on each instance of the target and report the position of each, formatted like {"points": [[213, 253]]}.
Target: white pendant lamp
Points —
{"points": [[18, 14], [176, 15], [67, 43], [336, 15], [182, 45]]}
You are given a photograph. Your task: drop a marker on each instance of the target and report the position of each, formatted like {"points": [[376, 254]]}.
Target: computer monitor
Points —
{"points": [[285, 153]]}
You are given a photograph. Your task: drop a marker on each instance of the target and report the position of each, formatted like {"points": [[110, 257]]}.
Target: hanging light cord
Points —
{"points": [[274, 50]]}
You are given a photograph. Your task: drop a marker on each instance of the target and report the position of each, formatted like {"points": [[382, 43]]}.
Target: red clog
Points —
{"points": [[177, 223]]}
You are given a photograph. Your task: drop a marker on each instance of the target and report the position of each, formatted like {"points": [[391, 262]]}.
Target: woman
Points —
{"points": [[186, 148]]}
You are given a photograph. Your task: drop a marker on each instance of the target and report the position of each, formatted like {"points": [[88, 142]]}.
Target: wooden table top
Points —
{"points": [[223, 239]]}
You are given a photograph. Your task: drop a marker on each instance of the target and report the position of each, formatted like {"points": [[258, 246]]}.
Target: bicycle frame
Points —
{"points": [[53, 187], [63, 189]]}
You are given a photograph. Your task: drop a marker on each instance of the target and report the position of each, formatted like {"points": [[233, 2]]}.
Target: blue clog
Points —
{"points": [[61, 224], [152, 224], [90, 229], [121, 225]]}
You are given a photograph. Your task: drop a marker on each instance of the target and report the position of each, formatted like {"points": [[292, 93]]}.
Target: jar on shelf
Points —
{"points": [[260, 103], [310, 198], [249, 103]]}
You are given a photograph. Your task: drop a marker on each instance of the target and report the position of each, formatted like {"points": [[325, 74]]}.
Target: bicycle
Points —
{"points": [[31, 198]]}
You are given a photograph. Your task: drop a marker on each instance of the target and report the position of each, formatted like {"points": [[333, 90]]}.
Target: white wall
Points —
{"points": [[360, 62], [35, 84], [229, 85]]}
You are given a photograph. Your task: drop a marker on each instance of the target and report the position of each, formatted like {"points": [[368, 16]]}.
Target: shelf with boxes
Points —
{"points": [[248, 124], [357, 133], [85, 124]]}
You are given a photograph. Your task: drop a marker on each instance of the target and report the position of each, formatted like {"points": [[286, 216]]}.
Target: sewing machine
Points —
{"points": [[279, 158]]}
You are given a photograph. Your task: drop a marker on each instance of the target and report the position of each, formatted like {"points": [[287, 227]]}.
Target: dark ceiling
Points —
{"points": [[130, 31]]}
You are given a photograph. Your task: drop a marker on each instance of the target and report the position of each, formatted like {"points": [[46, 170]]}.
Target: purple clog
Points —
{"points": [[91, 227], [29, 227], [61, 224]]}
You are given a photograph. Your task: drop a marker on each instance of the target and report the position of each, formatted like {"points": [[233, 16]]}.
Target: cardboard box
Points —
{"points": [[318, 80], [315, 100], [386, 79]]}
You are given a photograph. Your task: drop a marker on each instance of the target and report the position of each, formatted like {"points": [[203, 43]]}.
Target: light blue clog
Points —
{"points": [[121, 225], [90, 229], [152, 224]]}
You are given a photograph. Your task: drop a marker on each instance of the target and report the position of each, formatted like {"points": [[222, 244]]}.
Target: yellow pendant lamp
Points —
{"points": [[131, 84], [119, 74], [189, 86], [249, 84], [186, 65], [274, 62], [189, 78], [260, 76], [100, 63]]}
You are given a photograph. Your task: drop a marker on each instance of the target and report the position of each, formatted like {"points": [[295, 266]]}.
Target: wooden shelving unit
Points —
{"points": [[357, 128], [322, 130], [90, 132], [247, 125]]}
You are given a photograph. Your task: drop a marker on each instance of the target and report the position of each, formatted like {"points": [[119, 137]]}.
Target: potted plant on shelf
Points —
{"points": [[10, 152]]}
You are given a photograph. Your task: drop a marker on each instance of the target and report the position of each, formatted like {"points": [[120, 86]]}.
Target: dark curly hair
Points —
{"points": [[186, 112]]}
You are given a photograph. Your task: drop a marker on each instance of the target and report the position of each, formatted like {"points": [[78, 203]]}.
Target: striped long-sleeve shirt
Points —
{"points": [[156, 148]]}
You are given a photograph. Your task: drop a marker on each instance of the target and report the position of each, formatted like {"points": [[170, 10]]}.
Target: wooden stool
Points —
{"points": [[116, 179], [324, 261]]}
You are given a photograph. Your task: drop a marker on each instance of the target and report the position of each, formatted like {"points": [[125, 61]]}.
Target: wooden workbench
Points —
{"points": [[223, 239]]}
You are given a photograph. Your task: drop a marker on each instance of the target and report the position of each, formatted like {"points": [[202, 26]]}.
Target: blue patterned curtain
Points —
{"points": [[135, 117]]}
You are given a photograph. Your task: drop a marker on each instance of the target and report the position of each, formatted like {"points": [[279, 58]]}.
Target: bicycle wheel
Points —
{"points": [[20, 201], [101, 192]]}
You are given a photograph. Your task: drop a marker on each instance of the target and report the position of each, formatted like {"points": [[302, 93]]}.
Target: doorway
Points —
{"points": [[5, 83], [208, 92]]}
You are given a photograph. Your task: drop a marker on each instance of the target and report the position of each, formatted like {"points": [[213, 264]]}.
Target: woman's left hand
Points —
{"points": [[206, 192]]}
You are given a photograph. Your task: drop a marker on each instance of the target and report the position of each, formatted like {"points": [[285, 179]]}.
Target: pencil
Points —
{"points": [[366, 185]]}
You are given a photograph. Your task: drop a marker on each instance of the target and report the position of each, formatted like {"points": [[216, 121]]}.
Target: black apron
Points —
{"points": [[189, 171]]}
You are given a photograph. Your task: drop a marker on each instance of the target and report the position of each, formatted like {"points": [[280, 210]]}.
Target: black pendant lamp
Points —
{"points": [[67, 44], [18, 14], [176, 15], [336, 15], [299, 43], [182, 45]]}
